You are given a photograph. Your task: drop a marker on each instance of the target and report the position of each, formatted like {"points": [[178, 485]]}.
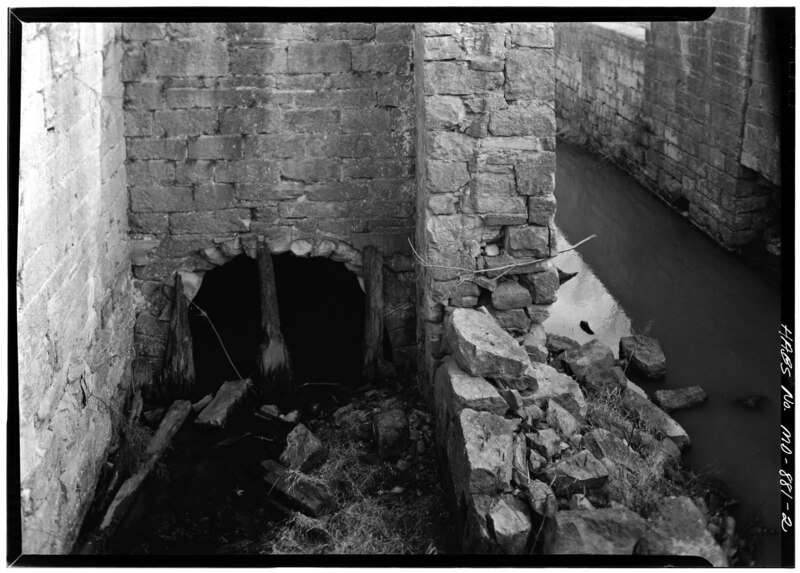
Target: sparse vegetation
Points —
{"points": [[373, 515]]}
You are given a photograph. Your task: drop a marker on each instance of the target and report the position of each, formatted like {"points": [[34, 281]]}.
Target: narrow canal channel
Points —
{"points": [[716, 318]]}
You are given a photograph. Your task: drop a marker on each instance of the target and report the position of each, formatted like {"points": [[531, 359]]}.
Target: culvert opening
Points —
{"points": [[321, 309]]}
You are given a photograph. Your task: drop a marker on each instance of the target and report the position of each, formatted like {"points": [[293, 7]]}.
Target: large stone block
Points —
{"points": [[530, 74], [340, 31], [187, 58], [542, 210], [479, 452], [455, 78], [149, 199], [446, 177], [482, 348], [257, 59], [443, 48], [317, 120], [528, 241], [607, 531], [308, 58], [175, 123], [312, 171], [536, 175], [384, 58], [224, 221], [529, 119], [456, 390], [250, 120], [174, 149], [216, 147]]}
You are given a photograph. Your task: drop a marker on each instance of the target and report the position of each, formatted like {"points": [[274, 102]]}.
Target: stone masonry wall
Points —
{"points": [[485, 178], [74, 303], [705, 131], [303, 133]]}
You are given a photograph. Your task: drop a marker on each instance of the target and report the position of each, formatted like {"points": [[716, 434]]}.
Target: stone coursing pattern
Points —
{"points": [[485, 175], [74, 303], [303, 133], [674, 109]]}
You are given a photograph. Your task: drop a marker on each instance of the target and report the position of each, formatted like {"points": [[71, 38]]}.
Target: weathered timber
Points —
{"points": [[373, 321], [178, 376], [274, 361], [172, 422], [296, 489]]}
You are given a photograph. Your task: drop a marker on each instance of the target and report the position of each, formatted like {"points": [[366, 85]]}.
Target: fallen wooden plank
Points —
{"points": [[172, 422], [296, 489], [228, 400]]}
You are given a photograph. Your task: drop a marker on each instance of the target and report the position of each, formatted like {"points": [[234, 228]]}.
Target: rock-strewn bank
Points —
{"points": [[568, 460]]}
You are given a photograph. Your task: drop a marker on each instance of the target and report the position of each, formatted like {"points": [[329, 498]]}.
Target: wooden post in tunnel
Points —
{"points": [[179, 376], [373, 316], [273, 356]]}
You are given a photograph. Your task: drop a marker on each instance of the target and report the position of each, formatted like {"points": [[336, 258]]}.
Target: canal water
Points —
{"points": [[717, 320]]}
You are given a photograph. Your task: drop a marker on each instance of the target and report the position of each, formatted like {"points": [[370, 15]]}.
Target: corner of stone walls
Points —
{"points": [[74, 306], [485, 179]]}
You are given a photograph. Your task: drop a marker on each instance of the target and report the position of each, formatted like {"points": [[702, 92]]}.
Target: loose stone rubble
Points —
{"points": [[528, 470]]}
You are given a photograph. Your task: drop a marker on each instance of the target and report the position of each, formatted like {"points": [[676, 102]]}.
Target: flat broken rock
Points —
{"points": [[576, 473], [679, 528], [482, 348], [509, 521], [480, 452], [680, 398], [607, 531], [644, 354], [589, 359], [226, 402], [655, 417]]}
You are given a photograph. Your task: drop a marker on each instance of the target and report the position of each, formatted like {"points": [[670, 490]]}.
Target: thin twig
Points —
{"points": [[495, 269], [204, 314]]}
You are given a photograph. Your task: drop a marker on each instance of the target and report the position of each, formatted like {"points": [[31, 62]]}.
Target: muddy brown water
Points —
{"points": [[717, 320]]}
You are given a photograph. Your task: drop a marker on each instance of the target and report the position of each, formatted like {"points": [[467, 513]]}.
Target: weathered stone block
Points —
{"points": [[307, 58], [606, 531], [336, 31], [455, 78], [479, 450], [312, 171], [174, 149], [224, 221], [159, 199], [303, 451], [443, 48], [251, 120], [529, 74], [509, 520], [366, 120], [543, 286], [317, 120], [172, 123], [532, 34], [216, 147], [444, 112], [541, 210], [247, 171], [456, 390], [257, 59], [529, 119], [445, 177], [385, 58], [536, 175], [510, 294], [187, 58], [528, 241], [482, 348]]}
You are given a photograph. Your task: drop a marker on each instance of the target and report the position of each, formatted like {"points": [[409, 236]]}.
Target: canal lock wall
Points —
{"points": [[691, 110]]}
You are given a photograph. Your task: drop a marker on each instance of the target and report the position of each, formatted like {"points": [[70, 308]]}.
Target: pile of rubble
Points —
{"points": [[529, 470]]}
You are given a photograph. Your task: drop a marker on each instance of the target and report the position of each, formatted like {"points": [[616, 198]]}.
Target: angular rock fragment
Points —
{"points": [[644, 354], [510, 294], [544, 382], [561, 420], [509, 522], [482, 348], [679, 528], [655, 418], [576, 473], [680, 398], [228, 399], [460, 390], [556, 344], [534, 343], [588, 359], [607, 531], [541, 498], [545, 441], [479, 451], [603, 444], [303, 451]]}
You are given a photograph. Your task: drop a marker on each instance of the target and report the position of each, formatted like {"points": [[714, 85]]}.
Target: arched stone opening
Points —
{"points": [[321, 307]]}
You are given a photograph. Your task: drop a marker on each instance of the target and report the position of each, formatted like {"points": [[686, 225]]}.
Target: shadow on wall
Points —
{"points": [[321, 313]]}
